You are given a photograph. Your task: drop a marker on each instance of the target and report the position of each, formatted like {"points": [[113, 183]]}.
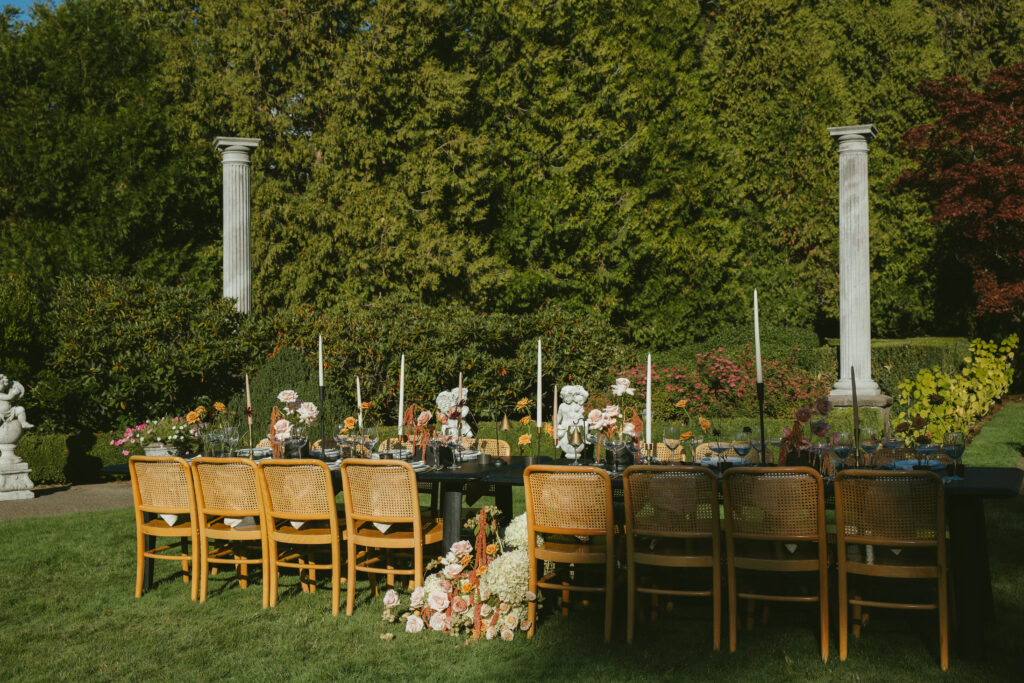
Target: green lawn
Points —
{"points": [[68, 613]]}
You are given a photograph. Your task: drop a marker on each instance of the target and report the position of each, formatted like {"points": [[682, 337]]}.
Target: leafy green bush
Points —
{"points": [[22, 314], [47, 455], [894, 360], [955, 401], [287, 368], [125, 350]]}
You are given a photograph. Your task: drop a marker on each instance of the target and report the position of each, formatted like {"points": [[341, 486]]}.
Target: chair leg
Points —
{"points": [[609, 598], [531, 610], [265, 569], [311, 572], [943, 620], [204, 568], [630, 601], [140, 561], [195, 563], [417, 561], [184, 560], [843, 614], [823, 606], [732, 608], [335, 578], [350, 583], [390, 565], [272, 561], [716, 606], [242, 570]]}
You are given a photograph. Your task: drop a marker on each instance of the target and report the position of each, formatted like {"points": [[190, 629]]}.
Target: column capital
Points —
{"points": [[235, 150], [853, 138]]}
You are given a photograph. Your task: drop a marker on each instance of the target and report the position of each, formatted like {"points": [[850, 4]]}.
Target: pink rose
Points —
{"points": [[416, 599], [423, 418], [611, 412], [530, 596], [525, 625], [506, 634], [460, 604], [413, 624], [441, 418], [282, 426], [445, 585], [491, 633], [462, 548], [452, 570], [437, 622], [390, 598], [596, 418], [287, 396], [438, 600]]}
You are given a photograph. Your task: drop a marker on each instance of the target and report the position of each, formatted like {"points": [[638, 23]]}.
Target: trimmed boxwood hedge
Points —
{"points": [[63, 459]]}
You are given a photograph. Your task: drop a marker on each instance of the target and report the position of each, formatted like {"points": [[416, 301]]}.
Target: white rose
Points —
{"points": [[287, 396], [485, 610], [452, 570], [462, 548], [390, 598], [437, 621], [413, 624], [308, 413], [506, 634], [416, 599], [438, 601], [491, 633]]}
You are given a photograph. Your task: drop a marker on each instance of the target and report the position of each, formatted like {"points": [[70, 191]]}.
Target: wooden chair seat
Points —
{"points": [[401, 537], [573, 553]]}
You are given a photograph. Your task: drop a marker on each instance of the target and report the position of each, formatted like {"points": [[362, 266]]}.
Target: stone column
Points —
{"points": [[237, 271], [854, 268]]}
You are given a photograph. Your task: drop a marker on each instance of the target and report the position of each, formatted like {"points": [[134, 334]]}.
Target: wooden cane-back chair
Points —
{"points": [[570, 502], [228, 489], [301, 491], [775, 522], [672, 520], [666, 455], [431, 487], [162, 487], [885, 511], [383, 492], [496, 448]]}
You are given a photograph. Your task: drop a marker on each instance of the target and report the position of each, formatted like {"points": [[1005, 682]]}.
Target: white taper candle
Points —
{"points": [[757, 340], [539, 388], [320, 360], [647, 412], [359, 402], [401, 394]]}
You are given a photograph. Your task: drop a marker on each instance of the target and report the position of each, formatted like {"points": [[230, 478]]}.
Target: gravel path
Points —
{"points": [[61, 501]]}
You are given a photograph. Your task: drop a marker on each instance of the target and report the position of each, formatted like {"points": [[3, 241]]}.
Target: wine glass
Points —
{"points": [[868, 441], [925, 449], [953, 443], [741, 444], [372, 437], [718, 448], [842, 446], [230, 439], [692, 444], [671, 437]]}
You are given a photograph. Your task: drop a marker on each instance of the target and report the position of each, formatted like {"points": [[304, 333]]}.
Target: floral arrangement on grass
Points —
{"points": [[481, 589]]}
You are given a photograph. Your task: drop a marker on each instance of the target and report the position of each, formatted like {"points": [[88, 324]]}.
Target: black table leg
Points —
{"points": [[451, 512], [503, 499], [972, 585]]}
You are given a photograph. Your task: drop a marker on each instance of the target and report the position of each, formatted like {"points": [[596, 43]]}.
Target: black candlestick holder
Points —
{"points": [[760, 412], [323, 414]]}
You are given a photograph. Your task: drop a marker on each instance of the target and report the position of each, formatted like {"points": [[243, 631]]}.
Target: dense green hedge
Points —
{"points": [[61, 459], [896, 360]]}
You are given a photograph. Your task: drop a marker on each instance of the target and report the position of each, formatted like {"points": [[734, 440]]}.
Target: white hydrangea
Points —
{"points": [[515, 533], [508, 577]]}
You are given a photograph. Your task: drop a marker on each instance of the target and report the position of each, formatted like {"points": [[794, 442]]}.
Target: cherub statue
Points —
{"points": [[450, 406], [9, 391], [571, 413]]}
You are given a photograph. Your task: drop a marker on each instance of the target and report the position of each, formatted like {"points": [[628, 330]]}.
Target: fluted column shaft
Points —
{"points": [[854, 263], [236, 249]]}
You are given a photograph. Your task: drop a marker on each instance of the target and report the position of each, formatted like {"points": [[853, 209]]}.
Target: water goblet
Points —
{"points": [[229, 436], [842, 446], [741, 444], [925, 449], [953, 443], [868, 441], [719, 448], [372, 437]]}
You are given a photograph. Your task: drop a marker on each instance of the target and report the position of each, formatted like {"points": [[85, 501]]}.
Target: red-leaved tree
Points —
{"points": [[970, 164]]}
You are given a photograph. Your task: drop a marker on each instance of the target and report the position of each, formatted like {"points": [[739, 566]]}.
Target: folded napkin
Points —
{"points": [[170, 519], [383, 528], [239, 521]]}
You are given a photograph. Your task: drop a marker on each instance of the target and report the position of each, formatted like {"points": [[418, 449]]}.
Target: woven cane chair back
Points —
{"points": [[564, 500], [164, 484], [782, 503], [380, 490], [496, 448], [675, 502], [298, 489], [227, 486], [890, 508]]}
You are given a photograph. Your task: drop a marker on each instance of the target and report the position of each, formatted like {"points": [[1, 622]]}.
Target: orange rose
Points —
{"points": [[522, 403], [366, 405], [220, 407], [682, 403], [525, 440], [492, 549], [525, 420], [686, 436], [192, 417], [705, 424]]}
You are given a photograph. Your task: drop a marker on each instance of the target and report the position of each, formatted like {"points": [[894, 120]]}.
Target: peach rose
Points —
{"points": [[413, 624], [460, 604], [390, 598], [437, 622], [507, 634], [416, 599], [438, 600]]}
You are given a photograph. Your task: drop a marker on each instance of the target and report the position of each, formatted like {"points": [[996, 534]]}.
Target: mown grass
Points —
{"points": [[69, 614]]}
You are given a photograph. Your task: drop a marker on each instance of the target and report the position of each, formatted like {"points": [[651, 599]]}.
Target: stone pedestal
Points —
{"points": [[14, 480], [854, 269], [237, 269]]}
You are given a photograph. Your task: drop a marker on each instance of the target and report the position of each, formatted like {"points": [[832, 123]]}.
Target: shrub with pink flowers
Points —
{"points": [[722, 384]]}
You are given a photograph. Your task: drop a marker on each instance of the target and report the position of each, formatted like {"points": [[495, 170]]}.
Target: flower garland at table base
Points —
{"points": [[481, 589]]}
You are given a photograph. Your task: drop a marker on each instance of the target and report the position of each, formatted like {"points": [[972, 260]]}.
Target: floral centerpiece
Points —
{"points": [[612, 424], [481, 589], [795, 443], [288, 423], [172, 434]]}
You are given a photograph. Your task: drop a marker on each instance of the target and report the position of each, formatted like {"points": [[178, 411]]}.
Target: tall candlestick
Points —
{"points": [[320, 361], [757, 340], [401, 394], [359, 402], [458, 409], [647, 412], [248, 410], [539, 388]]}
